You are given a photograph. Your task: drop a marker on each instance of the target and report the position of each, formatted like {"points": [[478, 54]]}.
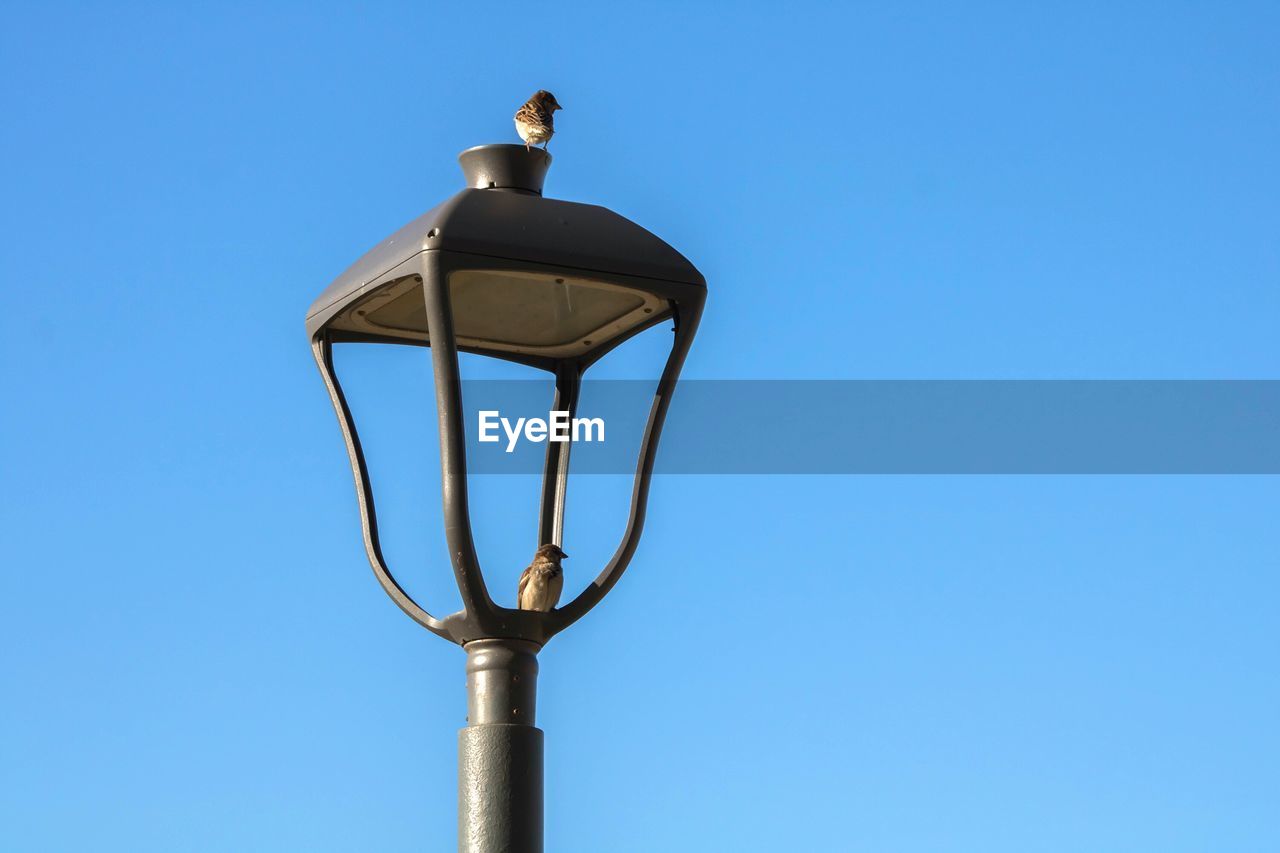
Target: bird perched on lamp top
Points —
{"points": [[535, 121], [542, 582]]}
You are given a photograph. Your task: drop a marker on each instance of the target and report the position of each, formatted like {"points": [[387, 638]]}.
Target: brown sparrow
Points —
{"points": [[542, 582], [535, 121]]}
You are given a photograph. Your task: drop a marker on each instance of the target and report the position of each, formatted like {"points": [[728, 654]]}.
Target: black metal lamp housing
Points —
{"points": [[501, 271]]}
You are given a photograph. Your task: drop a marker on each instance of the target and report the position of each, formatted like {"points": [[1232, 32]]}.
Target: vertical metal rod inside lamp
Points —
{"points": [[555, 476]]}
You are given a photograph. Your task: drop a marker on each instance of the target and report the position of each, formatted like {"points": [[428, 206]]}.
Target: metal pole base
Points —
{"points": [[500, 751], [500, 789]]}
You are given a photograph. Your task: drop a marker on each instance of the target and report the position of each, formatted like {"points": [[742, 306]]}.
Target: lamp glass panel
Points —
{"points": [[533, 309], [539, 313]]}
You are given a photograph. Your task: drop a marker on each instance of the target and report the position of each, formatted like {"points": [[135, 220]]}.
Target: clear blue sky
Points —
{"points": [[195, 655]]}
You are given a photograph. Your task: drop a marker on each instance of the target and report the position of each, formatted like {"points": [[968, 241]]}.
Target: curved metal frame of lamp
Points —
{"points": [[686, 317], [480, 617], [322, 349]]}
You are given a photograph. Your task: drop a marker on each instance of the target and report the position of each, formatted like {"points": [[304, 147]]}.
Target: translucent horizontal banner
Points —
{"points": [[887, 427]]}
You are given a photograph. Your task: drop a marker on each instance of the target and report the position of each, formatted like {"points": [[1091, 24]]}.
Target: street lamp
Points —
{"points": [[500, 271]]}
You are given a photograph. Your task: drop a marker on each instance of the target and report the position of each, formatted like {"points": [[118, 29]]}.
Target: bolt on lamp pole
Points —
{"points": [[498, 270]]}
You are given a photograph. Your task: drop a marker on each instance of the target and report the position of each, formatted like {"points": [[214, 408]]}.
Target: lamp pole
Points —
{"points": [[500, 750], [490, 271]]}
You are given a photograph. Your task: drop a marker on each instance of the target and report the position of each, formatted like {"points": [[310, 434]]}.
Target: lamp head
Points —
{"points": [[530, 279], [499, 270]]}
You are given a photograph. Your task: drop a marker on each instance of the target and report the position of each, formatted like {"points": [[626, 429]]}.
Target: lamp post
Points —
{"points": [[500, 271]]}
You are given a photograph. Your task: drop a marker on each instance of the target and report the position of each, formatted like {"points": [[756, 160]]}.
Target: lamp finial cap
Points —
{"points": [[513, 168]]}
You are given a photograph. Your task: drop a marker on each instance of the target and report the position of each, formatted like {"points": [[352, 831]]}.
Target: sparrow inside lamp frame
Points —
{"points": [[499, 270], [542, 582]]}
